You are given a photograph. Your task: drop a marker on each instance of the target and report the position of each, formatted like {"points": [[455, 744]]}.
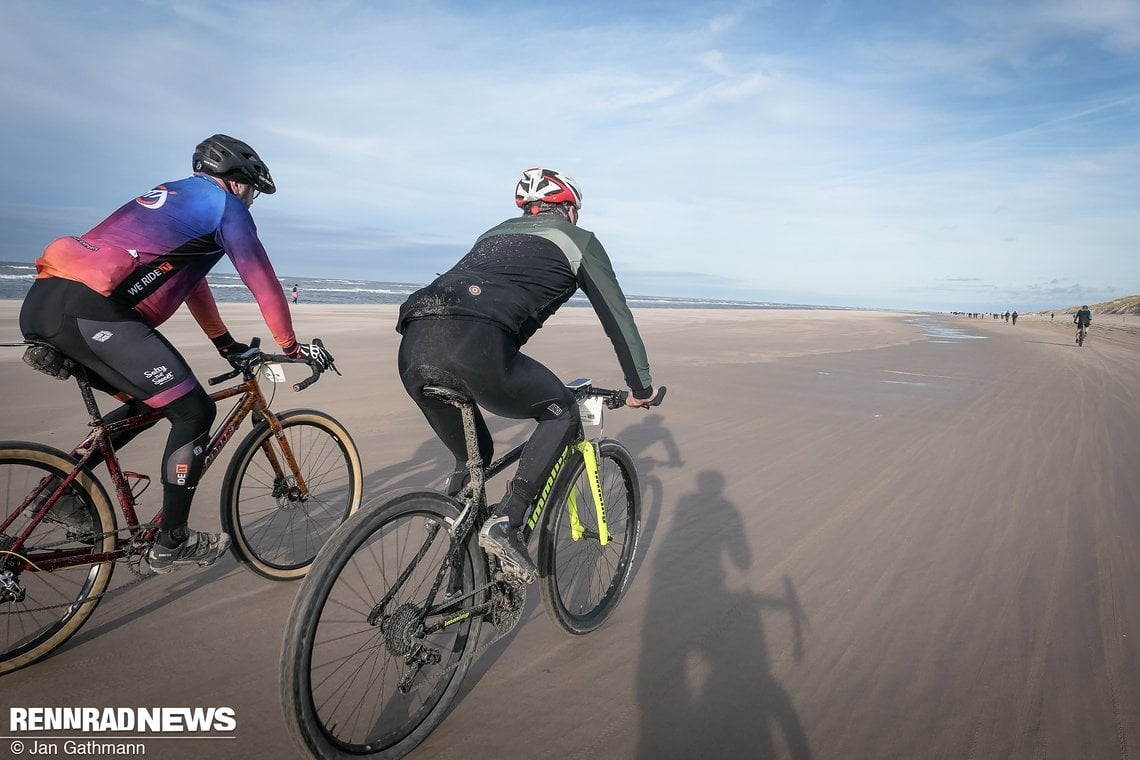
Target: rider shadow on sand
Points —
{"points": [[705, 686]]}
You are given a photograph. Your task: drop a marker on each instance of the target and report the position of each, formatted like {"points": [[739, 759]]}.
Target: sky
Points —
{"points": [[888, 154]]}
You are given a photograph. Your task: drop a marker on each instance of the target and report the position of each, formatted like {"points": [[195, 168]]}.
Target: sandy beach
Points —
{"points": [[866, 535]]}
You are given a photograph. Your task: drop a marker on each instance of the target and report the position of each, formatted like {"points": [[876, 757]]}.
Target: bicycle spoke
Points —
{"points": [[41, 608], [354, 671], [279, 528], [584, 580]]}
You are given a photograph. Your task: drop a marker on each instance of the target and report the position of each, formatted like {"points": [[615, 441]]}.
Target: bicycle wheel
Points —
{"points": [[583, 581], [41, 609], [341, 675], [276, 533]]}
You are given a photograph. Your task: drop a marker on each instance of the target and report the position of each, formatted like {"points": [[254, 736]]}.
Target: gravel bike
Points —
{"points": [[386, 624], [292, 480]]}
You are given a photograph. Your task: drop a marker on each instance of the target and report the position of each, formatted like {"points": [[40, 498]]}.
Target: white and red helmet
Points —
{"points": [[547, 186]]}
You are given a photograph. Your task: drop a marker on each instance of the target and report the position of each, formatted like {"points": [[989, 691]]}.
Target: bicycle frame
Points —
{"points": [[99, 441], [476, 507]]}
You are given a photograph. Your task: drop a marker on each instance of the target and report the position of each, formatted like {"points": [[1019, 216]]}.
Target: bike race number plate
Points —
{"points": [[274, 373], [590, 410]]}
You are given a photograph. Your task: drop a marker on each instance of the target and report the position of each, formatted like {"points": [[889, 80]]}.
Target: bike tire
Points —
{"points": [[334, 661], [275, 534], [57, 603], [583, 581]]}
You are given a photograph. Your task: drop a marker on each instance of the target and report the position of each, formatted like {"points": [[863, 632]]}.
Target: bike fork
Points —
{"points": [[590, 461]]}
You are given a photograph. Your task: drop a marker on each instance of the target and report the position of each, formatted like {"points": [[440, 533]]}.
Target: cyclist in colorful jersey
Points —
{"points": [[98, 298], [466, 328], [1082, 319]]}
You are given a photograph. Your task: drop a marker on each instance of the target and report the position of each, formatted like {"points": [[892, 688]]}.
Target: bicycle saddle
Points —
{"points": [[48, 359], [446, 394]]}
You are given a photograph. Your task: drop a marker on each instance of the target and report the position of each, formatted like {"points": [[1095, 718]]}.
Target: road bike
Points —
{"points": [[389, 619], [293, 478]]}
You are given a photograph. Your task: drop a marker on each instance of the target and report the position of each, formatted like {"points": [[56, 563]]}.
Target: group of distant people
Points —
{"points": [[1082, 318]]}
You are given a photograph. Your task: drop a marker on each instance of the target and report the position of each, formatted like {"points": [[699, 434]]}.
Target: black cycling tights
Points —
{"points": [[190, 419], [483, 361]]}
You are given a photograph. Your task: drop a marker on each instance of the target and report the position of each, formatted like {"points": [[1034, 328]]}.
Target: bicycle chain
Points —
{"points": [[508, 578], [133, 561]]}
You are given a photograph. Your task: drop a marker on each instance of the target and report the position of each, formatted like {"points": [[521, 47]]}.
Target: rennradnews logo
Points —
{"points": [[137, 720]]}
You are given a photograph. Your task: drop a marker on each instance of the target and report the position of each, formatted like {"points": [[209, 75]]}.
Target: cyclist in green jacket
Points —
{"points": [[465, 330]]}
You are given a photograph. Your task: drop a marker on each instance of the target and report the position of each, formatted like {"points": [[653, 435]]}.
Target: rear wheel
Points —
{"points": [[41, 608], [276, 530], [352, 687], [582, 579]]}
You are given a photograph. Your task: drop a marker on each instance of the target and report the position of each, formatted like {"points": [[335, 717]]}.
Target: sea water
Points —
{"points": [[16, 278]]}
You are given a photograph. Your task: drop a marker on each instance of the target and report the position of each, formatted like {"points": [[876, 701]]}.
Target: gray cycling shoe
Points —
{"points": [[199, 548], [496, 537], [68, 511]]}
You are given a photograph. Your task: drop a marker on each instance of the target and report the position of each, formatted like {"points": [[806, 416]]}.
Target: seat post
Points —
{"points": [[85, 391], [466, 407], [474, 461]]}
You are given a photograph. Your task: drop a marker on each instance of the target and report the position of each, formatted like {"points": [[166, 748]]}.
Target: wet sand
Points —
{"points": [[866, 535]]}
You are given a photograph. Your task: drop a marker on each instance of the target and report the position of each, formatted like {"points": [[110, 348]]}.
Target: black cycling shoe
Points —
{"points": [[199, 548], [496, 537]]}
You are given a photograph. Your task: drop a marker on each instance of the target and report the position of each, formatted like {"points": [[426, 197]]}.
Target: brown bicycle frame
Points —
{"points": [[253, 400]]}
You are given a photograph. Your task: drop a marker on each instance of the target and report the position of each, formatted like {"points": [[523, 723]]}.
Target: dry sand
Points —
{"points": [[865, 537]]}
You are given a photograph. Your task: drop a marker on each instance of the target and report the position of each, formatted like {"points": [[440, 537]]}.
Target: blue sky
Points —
{"points": [[909, 154]]}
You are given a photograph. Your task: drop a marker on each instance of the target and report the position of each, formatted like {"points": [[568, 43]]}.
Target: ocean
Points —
{"points": [[16, 278]]}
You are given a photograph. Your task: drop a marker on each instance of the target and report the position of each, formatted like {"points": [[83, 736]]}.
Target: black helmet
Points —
{"points": [[226, 157]]}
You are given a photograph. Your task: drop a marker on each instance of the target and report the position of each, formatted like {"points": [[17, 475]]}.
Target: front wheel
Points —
{"points": [[276, 529], [582, 579], [40, 607], [366, 670]]}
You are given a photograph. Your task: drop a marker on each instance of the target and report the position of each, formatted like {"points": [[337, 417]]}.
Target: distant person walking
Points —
{"points": [[295, 294], [1014, 315], [1082, 319]]}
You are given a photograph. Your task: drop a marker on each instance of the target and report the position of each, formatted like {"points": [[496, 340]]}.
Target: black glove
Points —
{"points": [[228, 347], [314, 354]]}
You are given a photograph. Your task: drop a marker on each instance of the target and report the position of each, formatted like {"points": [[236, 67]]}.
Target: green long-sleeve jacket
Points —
{"points": [[520, 272]]}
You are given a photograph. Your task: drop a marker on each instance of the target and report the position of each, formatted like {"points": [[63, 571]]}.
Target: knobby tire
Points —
{"points": [[339, 673]]}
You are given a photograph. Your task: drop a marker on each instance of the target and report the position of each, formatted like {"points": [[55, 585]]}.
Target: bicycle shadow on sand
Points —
{"points": [[429, 465], [127, 606], [705, 686]]}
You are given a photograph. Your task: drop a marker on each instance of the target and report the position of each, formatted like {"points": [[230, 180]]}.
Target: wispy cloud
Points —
{"points": [[835, 150]]}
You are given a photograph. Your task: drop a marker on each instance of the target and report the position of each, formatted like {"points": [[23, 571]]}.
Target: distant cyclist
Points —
{"points": [[98, 298], [1082, 319], [465, 329]]}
